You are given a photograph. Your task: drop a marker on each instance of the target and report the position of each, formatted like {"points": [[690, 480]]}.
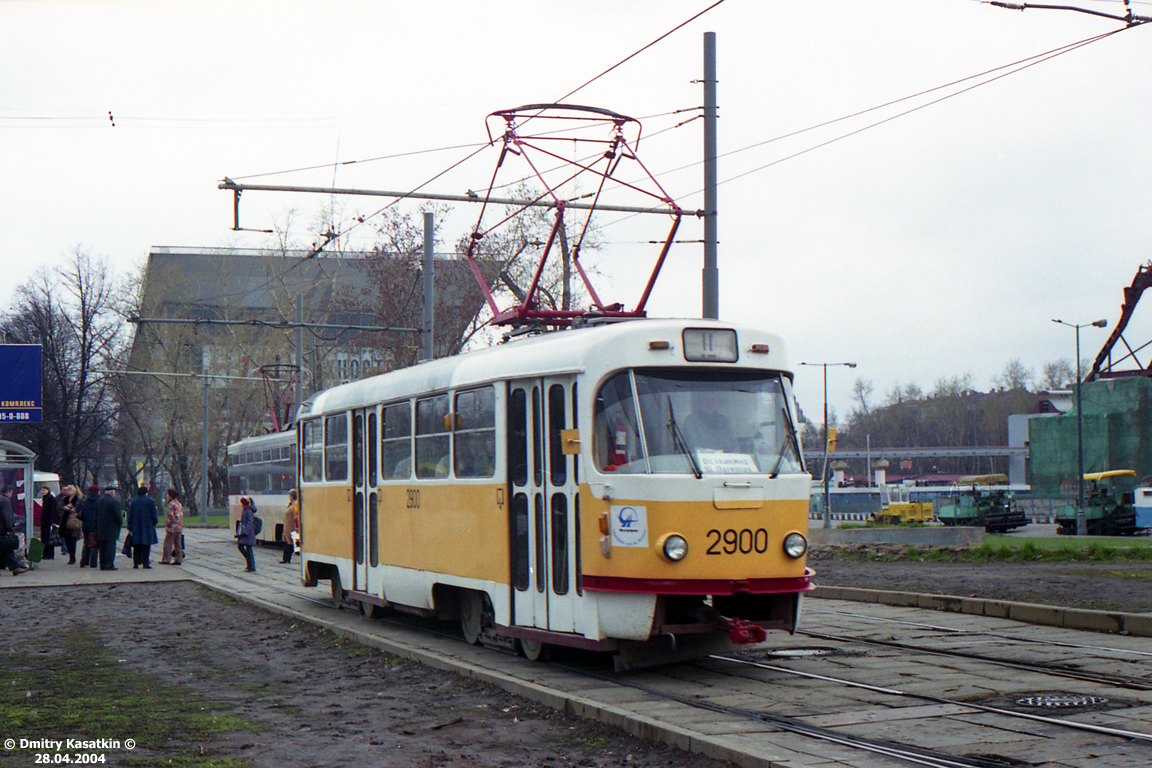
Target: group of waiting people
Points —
{"points": [[96, 521], [100, 519]]}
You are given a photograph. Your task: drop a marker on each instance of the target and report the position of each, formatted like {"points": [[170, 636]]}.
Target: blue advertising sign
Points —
{"points": [[21, 391]]}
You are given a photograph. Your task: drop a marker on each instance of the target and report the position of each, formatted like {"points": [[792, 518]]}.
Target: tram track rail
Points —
{"points": [[906, 753], [1090, 727], [1102, 678], [979, 633]]}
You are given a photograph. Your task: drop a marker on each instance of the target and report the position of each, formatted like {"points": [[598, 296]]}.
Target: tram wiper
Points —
{"points": [[678, 437], [789, 441]]}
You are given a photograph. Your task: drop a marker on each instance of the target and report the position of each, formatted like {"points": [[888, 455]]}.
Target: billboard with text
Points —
{"points": [[21, 393]]}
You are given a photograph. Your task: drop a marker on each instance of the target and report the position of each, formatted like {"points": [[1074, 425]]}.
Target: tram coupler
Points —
{"points": [[742, 632]]}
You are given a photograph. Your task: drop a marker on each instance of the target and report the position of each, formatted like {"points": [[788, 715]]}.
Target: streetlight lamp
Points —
{"points": [[824, 471], [1081, 520]]}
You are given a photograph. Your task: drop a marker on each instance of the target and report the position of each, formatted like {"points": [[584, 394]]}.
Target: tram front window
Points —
{"points": [[695, 422]]}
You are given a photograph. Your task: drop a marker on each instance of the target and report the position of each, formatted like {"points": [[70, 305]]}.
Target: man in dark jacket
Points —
{"points": [[87, 512], [12, 561], [109, 520], [142, 519]]}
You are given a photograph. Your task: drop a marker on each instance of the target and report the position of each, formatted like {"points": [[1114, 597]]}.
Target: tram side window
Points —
{"points": [[432, 439], [475, 433], [518, 437], [312, 440], [557, 461], [396, 441], [336, 447]]}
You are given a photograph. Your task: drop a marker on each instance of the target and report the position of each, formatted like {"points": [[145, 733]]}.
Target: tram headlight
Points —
{"points": [[795, 545], [675, 547]]}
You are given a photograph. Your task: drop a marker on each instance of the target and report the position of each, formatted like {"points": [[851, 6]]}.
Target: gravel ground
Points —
{"points": [[309, 698]]}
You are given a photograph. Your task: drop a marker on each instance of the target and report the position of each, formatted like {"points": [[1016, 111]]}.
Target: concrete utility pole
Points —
{"points": [[204, 458], [1081, 517], [827, 440], [427, 331], [301, 393], [710, 279]]}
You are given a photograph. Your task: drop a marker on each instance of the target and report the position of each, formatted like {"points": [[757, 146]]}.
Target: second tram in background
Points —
{"points": [[262, 468], [634, 488]]}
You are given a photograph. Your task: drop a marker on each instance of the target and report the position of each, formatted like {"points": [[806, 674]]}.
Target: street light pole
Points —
{"points": [[824, 470], [1081, 518]]}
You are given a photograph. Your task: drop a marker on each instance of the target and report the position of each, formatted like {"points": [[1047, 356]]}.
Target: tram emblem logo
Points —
{"points": [[629, 526]]}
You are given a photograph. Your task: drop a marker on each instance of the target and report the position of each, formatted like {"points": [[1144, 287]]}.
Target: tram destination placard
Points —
{"points": [[21, 390]]}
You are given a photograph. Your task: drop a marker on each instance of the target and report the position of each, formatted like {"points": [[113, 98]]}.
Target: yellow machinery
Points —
{"points": [[898, 506]]}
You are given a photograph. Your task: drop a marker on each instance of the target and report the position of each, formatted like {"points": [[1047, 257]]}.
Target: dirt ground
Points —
{"points": [[304, 696], [1100, 586], [283, 693]]}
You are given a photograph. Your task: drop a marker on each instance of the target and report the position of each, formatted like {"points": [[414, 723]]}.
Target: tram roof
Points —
{"points": [[271, 438], [592, 348]]}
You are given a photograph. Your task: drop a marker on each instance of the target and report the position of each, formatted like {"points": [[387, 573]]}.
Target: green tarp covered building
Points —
{"points": [[1117, 435]]}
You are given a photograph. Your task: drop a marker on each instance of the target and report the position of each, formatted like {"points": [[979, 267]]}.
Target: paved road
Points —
{"points": [[882, 672]]}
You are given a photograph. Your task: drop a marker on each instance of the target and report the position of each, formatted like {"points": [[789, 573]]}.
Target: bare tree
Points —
{"points": [[862, 394], [1014, 376], [1058, 374], [71, 311]]}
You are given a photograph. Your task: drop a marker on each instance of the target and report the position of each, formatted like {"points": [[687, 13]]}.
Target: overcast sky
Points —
{"points": [[939, 243]]}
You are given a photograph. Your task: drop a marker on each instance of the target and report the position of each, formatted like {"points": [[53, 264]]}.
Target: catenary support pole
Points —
{"points": [[429, 307], [711, 278], [204, 458], [300, 392]]}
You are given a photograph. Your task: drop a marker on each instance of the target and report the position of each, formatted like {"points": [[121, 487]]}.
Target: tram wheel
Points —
{"points": [[337, 592], [371, 610], [471, 615], [533, 650]]}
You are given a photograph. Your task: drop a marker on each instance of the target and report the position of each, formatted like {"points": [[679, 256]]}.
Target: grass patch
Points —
{"points": [[77, 689], [1070, 549], [1139, 575], [1006, 548], [214, 521], [588, 743], [219, 597]]}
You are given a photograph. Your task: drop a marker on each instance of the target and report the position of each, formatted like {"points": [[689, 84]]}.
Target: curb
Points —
{"points": [[1115, 622]]}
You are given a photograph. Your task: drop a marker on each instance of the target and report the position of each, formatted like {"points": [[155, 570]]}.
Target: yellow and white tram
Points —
{"points": [[632, 487]]}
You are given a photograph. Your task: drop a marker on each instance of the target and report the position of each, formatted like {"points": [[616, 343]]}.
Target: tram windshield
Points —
{"points": [[651, 421]]}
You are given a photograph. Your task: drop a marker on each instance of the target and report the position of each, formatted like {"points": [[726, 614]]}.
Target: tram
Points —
{"points": [[262, 468], [635, 488]]}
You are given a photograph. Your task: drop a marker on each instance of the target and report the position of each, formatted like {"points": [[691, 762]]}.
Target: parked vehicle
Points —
{"points": [[1109, 507], [975, 500], [898, 506]]}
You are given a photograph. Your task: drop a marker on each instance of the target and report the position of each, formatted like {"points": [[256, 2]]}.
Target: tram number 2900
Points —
{"points": [[731, 541]]}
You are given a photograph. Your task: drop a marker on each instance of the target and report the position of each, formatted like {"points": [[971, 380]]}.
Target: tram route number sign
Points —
{"points": [[21, 383]]}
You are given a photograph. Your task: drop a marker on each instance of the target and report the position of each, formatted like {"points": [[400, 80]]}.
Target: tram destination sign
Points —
{"points": [[21, 384]]}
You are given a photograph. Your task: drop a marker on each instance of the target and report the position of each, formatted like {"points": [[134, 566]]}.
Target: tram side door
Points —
{"points": [[365, 530], [543, 482]]}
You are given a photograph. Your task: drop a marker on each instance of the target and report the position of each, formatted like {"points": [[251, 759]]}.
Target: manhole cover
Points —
{"points": [[1069, 700]]}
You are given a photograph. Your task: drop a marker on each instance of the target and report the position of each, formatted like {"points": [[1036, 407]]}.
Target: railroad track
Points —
{"points": [[726, 667], [1059, 670]]}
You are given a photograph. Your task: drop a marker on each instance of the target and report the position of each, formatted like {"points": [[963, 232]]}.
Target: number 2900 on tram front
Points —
{"points": [[635, 488]]}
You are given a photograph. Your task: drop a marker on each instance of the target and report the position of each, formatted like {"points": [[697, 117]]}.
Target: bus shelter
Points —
{"points": [[17, 469]]}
